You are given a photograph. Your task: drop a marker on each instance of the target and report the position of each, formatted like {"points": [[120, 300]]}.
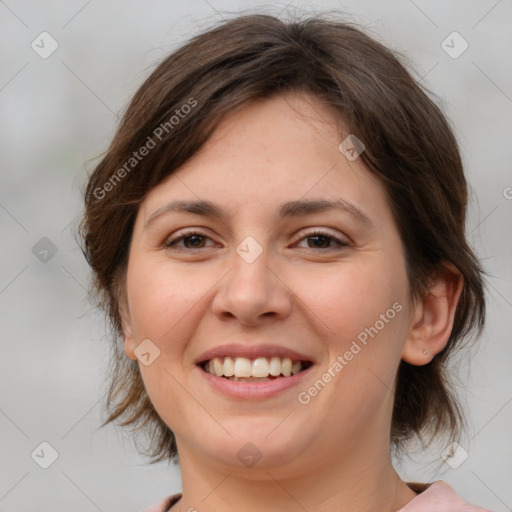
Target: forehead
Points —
{"points": [[277, 149]]}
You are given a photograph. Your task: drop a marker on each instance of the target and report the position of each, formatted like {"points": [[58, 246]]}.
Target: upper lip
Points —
{"points": [[252, 352]]}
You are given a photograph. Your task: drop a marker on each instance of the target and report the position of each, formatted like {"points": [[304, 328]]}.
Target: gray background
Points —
{"points": [[59, 113]]}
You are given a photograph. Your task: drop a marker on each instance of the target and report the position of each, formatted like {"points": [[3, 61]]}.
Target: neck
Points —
{"points": [[366, 483]]}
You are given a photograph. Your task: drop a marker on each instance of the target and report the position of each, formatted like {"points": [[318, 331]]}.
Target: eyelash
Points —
{"points": [[171, 244]]}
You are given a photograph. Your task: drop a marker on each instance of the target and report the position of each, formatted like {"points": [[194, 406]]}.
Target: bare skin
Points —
{"points": [[304, 292]]}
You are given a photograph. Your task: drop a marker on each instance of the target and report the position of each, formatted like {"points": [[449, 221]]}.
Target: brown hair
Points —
{"points": [[409, 146]]}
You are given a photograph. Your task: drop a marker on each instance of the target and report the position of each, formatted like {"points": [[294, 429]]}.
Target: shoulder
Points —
{"points": [[164, 505], [439, 497]]}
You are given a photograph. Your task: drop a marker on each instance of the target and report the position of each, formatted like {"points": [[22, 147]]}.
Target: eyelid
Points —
{"points": [[184, 234], [341, 240]]}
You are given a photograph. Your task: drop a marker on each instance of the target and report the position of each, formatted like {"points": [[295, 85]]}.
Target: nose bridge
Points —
{"points": [[251, 289], [249, 279]]}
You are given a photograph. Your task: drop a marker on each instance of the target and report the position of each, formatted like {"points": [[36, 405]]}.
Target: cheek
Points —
{"points": [[164, 300], [360, 311], [350, 298]]}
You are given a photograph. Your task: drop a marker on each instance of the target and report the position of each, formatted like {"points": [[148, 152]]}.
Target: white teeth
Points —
{"points": [[286, 367], [275, 366], [219, 367], [229, 367], [243, 367], [260, 368]]}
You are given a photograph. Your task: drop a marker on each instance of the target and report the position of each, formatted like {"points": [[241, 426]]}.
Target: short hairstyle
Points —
{"points": [[409, 144]]}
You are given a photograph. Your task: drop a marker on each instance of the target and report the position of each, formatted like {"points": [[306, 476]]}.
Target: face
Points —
{"points": [[259, 279]]}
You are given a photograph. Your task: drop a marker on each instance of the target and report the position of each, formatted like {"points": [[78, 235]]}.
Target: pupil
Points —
{"points": [[317, 237], [195, 238]]}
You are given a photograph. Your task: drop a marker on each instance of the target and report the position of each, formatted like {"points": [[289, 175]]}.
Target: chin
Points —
{"points": [[258, 445]]}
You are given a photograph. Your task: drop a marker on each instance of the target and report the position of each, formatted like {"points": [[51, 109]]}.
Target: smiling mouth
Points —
{"points": [[261, 369]]}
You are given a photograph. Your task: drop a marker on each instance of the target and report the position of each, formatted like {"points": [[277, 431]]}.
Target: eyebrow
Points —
{"points": [[286, 210]]}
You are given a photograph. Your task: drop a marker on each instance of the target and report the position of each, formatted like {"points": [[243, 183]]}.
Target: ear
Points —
{"points": [[433, 316], [128, 336]]}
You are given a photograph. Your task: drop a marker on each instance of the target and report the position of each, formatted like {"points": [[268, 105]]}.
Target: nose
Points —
{"points": [[252, 292]]}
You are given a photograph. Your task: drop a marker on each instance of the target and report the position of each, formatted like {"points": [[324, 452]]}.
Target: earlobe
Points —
{"points": [[129, 347], [433, 317], [128, 337]]}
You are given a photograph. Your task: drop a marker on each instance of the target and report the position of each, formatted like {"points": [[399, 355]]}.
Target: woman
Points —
{"points": [[277, 235]]}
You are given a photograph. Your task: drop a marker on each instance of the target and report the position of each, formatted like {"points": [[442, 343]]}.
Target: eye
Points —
{"points": [[321, 238], [191, 240], [196, 240]]}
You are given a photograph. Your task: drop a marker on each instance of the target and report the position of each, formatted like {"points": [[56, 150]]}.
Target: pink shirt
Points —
{"points": [[438, 497]]}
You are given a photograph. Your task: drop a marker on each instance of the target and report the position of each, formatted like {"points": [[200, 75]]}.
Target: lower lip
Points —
{"points": [[248, 390]]}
